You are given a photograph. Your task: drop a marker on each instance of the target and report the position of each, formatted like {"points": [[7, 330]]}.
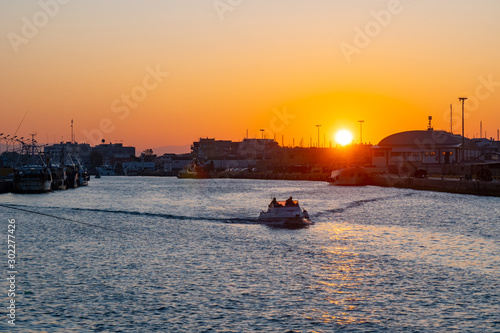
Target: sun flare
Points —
{"points": [[343, 137]]}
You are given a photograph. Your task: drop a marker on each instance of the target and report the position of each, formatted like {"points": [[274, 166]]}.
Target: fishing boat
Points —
{"points": [[32, 174], [59, 178], [32, 179], [83, 175], [5, 185], [6, 177], [71, 174], [284, 214]]}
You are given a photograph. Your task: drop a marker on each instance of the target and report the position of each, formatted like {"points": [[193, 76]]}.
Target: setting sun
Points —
{"points": [[343, 137]]}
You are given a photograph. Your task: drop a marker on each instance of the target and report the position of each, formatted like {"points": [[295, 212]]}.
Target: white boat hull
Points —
{"points": [[281, 214], [284, 222], [349, 177]]}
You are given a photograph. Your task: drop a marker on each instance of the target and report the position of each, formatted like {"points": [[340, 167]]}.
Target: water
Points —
{"points": [[189, 257]]}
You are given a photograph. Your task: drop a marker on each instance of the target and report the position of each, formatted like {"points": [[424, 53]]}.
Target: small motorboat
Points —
{"points": [[284, 214], [355, 176]]}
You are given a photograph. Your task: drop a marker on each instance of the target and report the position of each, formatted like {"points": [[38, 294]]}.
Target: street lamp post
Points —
{"points": [[318, 126], [462, 99], [361, 131], [262, 131]]}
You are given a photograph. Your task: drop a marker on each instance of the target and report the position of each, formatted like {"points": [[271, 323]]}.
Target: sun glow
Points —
{"points": [[343, 137]]}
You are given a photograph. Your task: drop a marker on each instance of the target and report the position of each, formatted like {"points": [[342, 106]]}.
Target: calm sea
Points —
{"points": [[146, 254]]}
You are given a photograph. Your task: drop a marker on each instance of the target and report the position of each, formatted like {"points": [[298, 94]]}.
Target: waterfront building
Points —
{"points": [[411, 150], [266, 155], [209, 148], [137, 167], [80, 150], [173, 163], [114, 152], [490, 149]]}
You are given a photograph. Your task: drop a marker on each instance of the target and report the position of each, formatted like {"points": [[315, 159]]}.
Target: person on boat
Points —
{"points": [[289, 202], [273, 203]]}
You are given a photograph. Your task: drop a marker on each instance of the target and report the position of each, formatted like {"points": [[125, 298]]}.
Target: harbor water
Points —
{"points": [[141, 254]]}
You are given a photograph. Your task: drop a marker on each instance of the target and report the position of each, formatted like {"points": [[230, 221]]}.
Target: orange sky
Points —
{"points": [[244, 66]]}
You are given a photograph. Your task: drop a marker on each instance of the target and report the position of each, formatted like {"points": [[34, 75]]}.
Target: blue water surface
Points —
{"points": [[141, 254]]}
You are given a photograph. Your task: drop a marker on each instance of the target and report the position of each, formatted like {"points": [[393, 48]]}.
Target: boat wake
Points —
{"points": [[146, 214], [359, 203]]}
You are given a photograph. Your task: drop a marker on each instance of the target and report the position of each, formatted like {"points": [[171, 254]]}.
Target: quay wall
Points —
{"points": [[475, 187]]}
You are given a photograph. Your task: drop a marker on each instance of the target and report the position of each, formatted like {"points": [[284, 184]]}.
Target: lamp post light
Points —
{"points": [[262, 131]]}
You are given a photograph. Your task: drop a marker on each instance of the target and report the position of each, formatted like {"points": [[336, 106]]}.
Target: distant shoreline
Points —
{"points": [[459, 186]]}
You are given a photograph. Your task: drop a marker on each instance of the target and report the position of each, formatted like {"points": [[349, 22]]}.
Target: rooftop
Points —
{"points": [[425, 138]]}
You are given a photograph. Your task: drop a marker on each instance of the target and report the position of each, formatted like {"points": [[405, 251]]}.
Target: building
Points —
{"points": [[114, 152], [213, 149], [138, 167], [173, 163], [490, 149], [257, 149], [407, 151], [267, 155], [58, 150]]}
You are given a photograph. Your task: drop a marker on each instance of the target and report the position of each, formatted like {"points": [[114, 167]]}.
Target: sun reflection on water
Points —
{"points": [[341, 276]]}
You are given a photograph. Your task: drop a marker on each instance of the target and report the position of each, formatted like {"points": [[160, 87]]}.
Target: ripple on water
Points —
{"points": [[376, 259]]}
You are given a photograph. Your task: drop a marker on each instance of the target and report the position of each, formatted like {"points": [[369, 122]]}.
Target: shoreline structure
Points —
{"points": [[436, 184], [432, 183]]}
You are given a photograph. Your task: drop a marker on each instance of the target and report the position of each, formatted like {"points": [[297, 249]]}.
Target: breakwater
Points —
{"points": [[461, 186]]}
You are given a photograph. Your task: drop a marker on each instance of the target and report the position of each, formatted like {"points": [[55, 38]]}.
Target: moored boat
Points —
{"points": [[194, 170], [32, 174], [58, 177], [6, 178], [5, 185], [355, 176], [32, 179], [83, 175], [284, 214]]}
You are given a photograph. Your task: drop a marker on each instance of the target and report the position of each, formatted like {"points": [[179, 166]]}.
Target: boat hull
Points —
{"points": [[285, 222], [192, 175], [5, 185], [349, 177], [286, 214], [32, 186]]}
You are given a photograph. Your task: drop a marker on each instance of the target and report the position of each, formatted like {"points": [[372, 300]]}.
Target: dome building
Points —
{"points": [[413, 150]]}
